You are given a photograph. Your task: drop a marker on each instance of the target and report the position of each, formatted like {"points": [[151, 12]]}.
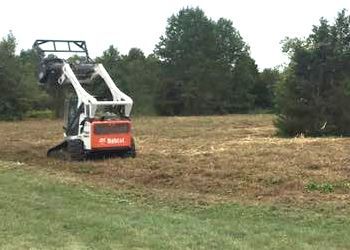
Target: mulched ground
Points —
{"points": [[207, 159]]}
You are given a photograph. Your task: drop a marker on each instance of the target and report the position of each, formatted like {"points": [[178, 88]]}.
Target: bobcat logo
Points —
{"points": [[111, 140]]}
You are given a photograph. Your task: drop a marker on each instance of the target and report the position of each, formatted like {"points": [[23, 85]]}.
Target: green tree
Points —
{"points": [[264, 89], [18, 92], [110, 59], [313, 97], [40, 100], [187, 51], [140, 76], [199, 57], [229, 43], [135, 74], [245, 76]]}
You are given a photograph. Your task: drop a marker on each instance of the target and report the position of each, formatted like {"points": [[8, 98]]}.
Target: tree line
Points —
{"points": [[204, 67]]}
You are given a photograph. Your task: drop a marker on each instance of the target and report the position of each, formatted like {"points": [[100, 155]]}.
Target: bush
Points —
{"points": [[41, 114], [313, 97]]}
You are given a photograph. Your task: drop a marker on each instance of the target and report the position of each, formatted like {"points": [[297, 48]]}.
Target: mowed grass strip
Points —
{"points": [[39, 212]]}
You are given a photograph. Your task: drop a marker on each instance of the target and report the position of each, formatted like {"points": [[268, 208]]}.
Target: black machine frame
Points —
{"points": [[73, 46]]}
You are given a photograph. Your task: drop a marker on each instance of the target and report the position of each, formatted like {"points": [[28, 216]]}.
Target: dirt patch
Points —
{"points": [[206, 158]]}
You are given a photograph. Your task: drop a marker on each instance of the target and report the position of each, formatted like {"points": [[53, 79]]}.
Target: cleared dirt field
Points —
{"points": [[204, 159]]}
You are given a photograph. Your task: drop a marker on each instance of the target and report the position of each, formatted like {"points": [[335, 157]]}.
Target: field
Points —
{"points": [[224, 181]]}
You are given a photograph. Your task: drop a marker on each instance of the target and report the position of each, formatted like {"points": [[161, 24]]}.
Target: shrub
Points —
{"points": [[42, 114], [313, 97]]}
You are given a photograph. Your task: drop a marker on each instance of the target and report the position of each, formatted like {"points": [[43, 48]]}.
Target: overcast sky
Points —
{"points": [[131, 23]]}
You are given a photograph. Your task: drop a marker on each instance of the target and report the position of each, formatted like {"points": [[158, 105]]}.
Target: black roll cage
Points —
{"points": [[73, 46]]}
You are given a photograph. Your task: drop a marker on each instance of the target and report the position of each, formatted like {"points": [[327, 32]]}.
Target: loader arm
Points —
{"points": [[119, 98]]}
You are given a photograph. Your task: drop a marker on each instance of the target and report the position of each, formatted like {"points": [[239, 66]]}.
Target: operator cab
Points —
{"points": [[71, 116]]}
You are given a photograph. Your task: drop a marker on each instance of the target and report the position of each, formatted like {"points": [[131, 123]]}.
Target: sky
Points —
{"points": [[131, 23]]}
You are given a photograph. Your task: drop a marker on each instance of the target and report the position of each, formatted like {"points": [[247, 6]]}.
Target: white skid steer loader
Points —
{"points": [[92, 126]]}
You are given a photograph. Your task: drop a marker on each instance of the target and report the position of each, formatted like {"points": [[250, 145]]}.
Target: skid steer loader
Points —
{"points": [[93, 126]]}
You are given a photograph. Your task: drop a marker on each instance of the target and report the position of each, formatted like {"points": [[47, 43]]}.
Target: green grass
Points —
{"points": [[39, 212]]}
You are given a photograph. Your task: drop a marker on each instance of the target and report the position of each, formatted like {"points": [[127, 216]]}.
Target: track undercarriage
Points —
{"points": [[73, 150]]}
